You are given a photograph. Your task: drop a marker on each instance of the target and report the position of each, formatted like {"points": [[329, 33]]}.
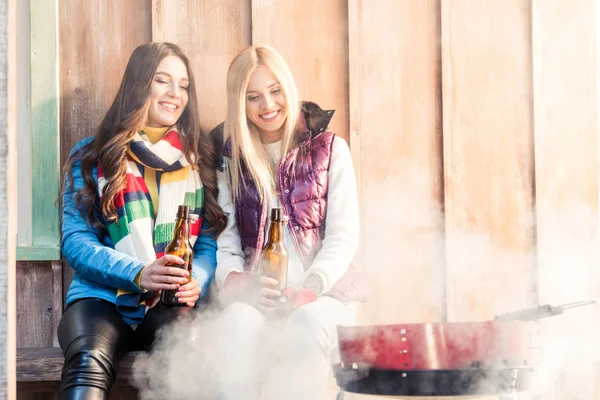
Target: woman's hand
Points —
{"points": [[267, 296], [189, 293], [155, 276], [256, 291]]}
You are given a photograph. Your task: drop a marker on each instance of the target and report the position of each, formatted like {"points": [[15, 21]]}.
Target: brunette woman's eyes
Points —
{"points": [[184, 87]]}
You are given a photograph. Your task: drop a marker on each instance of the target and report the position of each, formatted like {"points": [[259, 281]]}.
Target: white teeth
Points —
{"points": [[269, 115], [169, 106]]}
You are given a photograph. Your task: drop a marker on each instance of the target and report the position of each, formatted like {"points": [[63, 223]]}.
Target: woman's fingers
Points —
{"points": [[191, 285], [156, 276], [188, 296], [172, 271], [265, 302], [168, 279], [268, 281], [266, 292], [188, 299], [170, 258], [163, 286], [189, 293]]}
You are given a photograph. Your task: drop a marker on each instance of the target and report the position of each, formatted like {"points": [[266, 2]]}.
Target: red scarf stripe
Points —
{"points": [[172, 137]]}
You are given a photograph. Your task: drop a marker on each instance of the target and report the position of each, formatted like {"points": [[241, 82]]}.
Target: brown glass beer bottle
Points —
{"points": [[274, 257], [180, 246]]}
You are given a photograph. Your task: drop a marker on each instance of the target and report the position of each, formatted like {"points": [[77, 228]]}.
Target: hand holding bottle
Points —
{"points": [[157, 276], [180, 247], [189, 293], [258, 291]]}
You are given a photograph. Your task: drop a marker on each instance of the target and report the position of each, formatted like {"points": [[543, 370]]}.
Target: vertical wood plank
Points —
{"points": [[354, 97], [395, 105], [566, 145], [35, 305], [23, 87], [57, 298], [96, 41], [211, 33], [8, 210], [488, 157], [565, 77], [67, 277], [312, 36], [44, 122]]}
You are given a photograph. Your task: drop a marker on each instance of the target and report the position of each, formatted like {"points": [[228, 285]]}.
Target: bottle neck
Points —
{"points": [[276, 232], [182, 230]]}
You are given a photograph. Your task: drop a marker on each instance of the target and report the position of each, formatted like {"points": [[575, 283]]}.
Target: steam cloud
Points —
{"points": [[416, 273]]}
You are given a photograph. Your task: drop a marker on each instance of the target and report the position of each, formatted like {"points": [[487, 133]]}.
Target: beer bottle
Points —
{"points": [[274, 257], [180, 246]]}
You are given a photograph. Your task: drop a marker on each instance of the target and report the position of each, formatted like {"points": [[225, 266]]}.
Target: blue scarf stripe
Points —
{"points": [[147, 157]]}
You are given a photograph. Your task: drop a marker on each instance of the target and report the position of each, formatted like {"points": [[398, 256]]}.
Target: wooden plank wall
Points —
{"points": [[315, 46], [395, 136], [214, 32], [488, 157], [565, 112], [8, 196], [473, 128], [95, 44]]}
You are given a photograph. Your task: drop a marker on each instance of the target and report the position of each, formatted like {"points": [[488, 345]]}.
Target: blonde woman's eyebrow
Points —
{"points": [[256, 91]]}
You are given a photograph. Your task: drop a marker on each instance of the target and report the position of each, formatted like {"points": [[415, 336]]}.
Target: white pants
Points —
{"points": [[292, 359]]}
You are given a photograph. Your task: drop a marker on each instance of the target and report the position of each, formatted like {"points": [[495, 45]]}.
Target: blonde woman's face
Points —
{"points": [[266, 105], [168, 92]]}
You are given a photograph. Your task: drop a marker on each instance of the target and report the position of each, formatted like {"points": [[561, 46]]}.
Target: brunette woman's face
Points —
{"points": [[168, 92], [266, 105]]}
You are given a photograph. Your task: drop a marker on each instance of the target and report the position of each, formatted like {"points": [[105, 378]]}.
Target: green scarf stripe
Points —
{"points": [[118, 231], [163, 233], [133, 210], [138, 209], [194, 200]]}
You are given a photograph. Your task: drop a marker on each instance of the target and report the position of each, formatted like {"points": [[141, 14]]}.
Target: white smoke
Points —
{"points": [[416, 273]]}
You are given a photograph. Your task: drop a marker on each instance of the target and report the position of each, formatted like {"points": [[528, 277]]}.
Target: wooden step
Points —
{"points": [[45, 364]]}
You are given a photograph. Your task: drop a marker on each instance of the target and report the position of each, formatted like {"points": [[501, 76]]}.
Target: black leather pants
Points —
{"points": [[93, 336]]}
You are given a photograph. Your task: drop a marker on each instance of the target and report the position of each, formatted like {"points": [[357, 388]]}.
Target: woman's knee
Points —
{"points": [[310, 329], [93, 317], [89, 361], [91, 334]]}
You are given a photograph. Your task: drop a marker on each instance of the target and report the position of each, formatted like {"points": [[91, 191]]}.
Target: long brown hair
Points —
{"points": [[127, 115]]}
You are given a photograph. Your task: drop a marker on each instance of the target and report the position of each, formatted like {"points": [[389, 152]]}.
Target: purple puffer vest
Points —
{"points": [[303, 184]]}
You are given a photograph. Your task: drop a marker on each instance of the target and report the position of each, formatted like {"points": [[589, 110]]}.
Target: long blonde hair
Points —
{"points": [[244, 135]]}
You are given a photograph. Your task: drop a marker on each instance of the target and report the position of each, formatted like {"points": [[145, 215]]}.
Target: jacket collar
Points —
{"points": [[313, 120]]}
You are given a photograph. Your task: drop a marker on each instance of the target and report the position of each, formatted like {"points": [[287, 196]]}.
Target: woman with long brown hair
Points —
{"points": [[123, 187]]}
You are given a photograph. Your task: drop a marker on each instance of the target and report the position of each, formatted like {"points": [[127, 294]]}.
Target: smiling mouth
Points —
{"points": [[270, 116], [170, 107]]}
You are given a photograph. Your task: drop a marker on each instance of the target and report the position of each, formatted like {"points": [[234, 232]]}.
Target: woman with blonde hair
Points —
{"points": [[278, 153], [120, 201]]}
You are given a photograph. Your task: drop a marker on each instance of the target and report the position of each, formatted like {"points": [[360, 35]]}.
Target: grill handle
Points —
{"points": [[539, 312]]}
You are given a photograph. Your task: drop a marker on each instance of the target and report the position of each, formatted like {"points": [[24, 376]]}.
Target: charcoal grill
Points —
{"points": [[493, 357]]}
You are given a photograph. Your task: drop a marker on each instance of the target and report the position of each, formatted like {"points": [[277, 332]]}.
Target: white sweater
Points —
{"points": [[341, 225]]}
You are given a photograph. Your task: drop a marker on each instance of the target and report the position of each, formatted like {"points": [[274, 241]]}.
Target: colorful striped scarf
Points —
{"points": [[138, 232]]}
